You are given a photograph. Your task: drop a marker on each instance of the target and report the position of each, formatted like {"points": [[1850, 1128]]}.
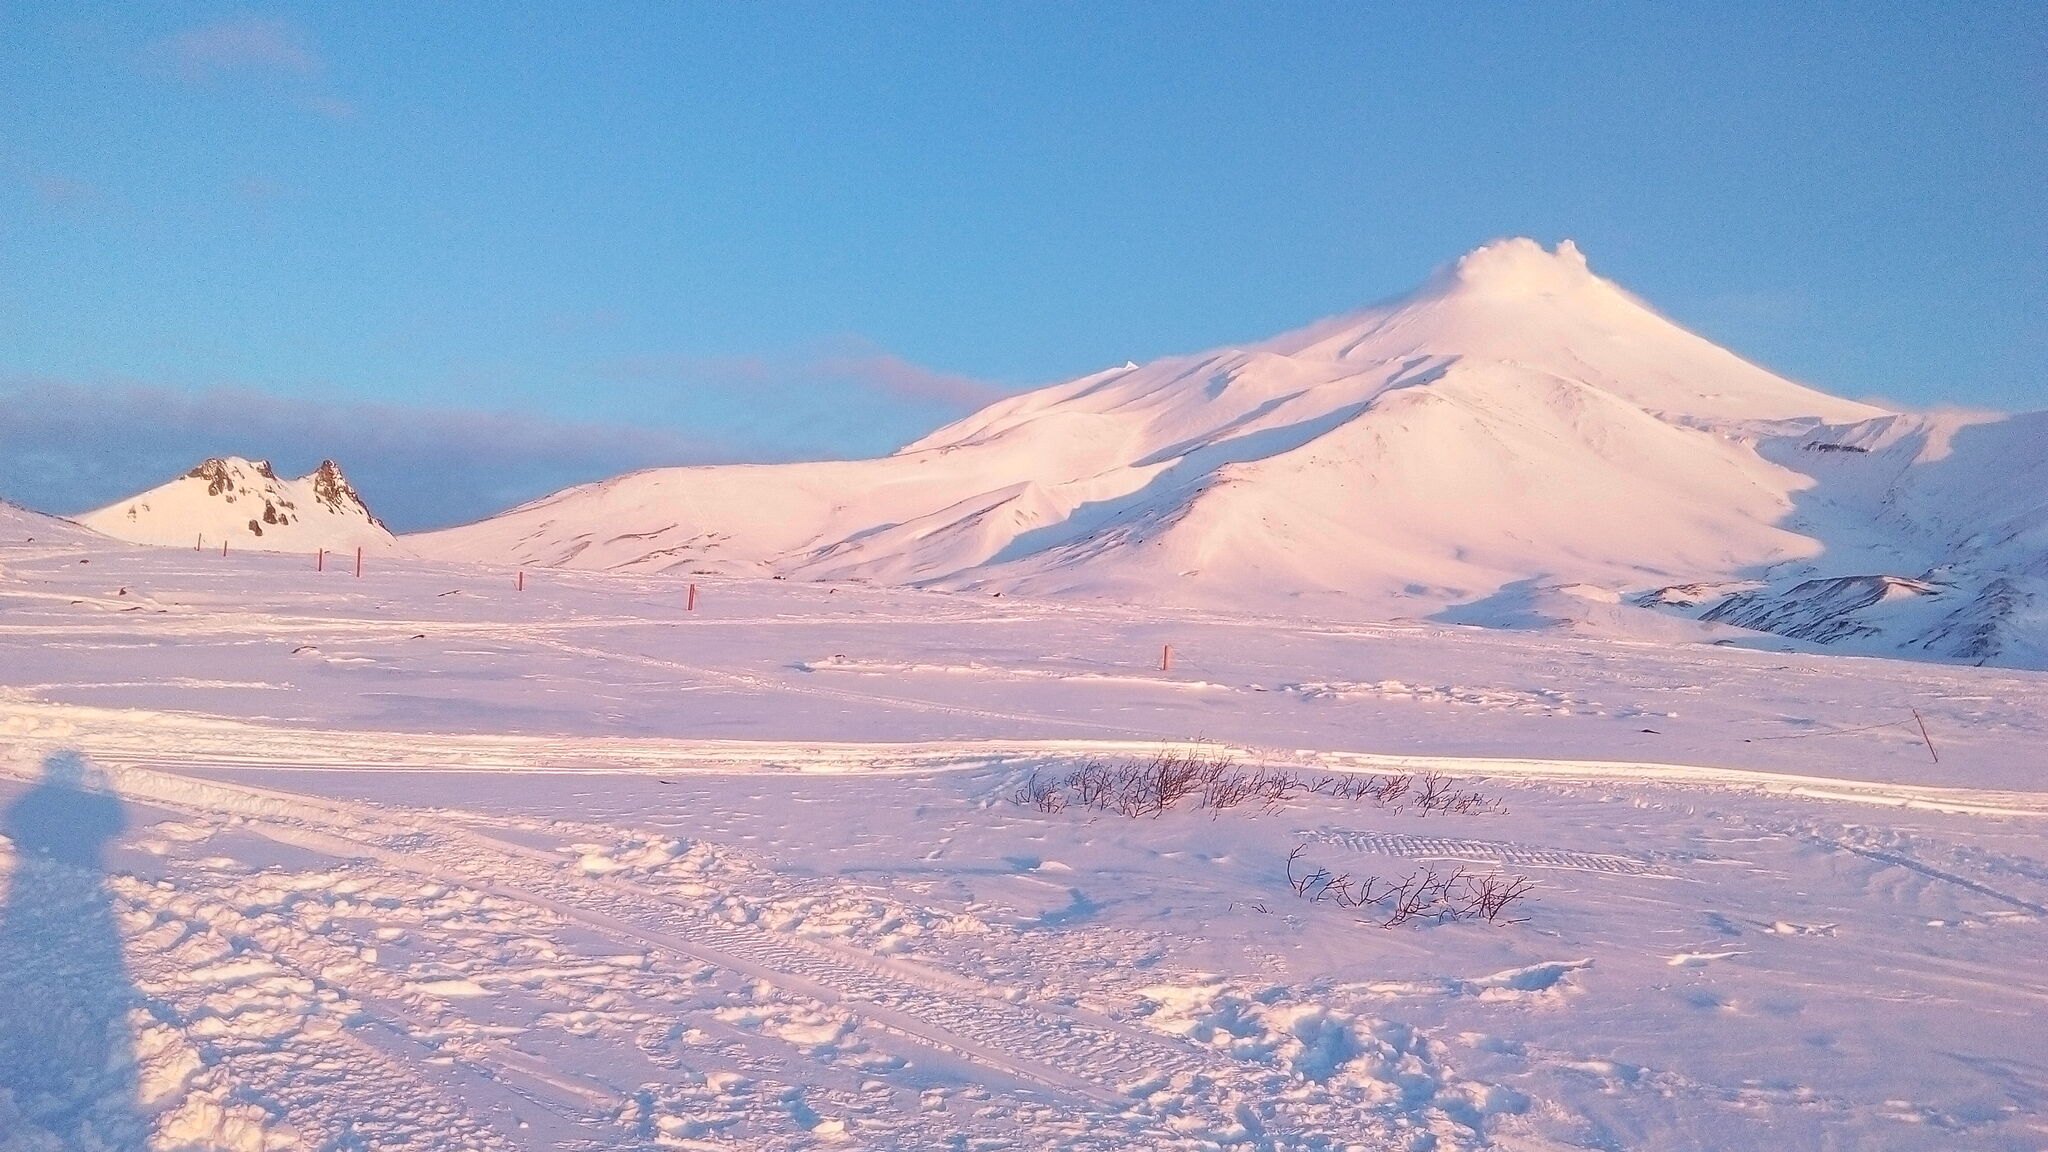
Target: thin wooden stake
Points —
{"points": [[693, 599], [223, 547], [359, 563], [320, 561], [1924, 738], [200, 543], [1166, 658], [521, 584]]}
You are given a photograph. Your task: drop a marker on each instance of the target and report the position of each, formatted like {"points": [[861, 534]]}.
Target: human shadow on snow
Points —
{"points": [[67, 1057]]}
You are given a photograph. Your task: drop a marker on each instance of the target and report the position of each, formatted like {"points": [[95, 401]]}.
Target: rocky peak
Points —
{"points": [[332, 489], [218, 475]]}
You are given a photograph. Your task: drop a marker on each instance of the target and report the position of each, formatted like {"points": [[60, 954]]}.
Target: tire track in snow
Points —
{"points": [[760, 683], [955, 1001], [190, 738], [1913, 864], [1067, 1056], [418, 1075], [1451, 848], [390, 1101]]}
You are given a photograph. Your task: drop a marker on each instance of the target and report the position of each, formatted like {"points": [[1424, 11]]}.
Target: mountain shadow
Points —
{"points": [[67, 1058], [1934, 541]]}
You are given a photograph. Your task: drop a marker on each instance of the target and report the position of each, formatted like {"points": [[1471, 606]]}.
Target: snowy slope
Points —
{"points": [[23, 525], [1517, 423], [246, 504], [1937, 541]]}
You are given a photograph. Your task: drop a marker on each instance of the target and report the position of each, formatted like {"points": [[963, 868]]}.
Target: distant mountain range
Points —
{"points": [[1518, 443]]}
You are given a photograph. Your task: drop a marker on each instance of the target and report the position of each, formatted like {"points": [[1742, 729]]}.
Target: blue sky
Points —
{"points": [[477, 253]]}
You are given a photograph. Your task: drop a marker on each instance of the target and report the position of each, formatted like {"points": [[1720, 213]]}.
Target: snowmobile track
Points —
{"points": [[1069, 1057]]}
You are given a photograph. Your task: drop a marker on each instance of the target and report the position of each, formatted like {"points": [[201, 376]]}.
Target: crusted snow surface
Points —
{"points": [[246, 504], [292, 859]]}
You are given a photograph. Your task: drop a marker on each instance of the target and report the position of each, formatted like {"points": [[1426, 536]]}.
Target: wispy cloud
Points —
{"points": [[68, 447], [57, 191], [332, 107], [243, 44], [267, 53], [847, 362]]}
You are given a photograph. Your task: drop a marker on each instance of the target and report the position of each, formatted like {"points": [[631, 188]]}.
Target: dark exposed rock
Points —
{"points": [[1822, 610]]}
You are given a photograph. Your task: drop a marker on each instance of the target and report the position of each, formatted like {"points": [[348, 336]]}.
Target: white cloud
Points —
{"points": [[244, 44]]}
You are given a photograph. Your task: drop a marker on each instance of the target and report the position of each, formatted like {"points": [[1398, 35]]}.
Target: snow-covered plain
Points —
{"points": [[420, 860]]}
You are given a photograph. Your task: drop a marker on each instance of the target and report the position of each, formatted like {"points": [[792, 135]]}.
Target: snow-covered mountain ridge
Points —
{"points": [[1518, 424], [22, 525], [246, 504]]}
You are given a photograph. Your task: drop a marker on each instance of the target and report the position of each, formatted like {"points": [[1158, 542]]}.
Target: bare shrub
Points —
{"points": [[1044, 795], [1423, 896], [1437, 795], [1494, 893], [1201, 776], [1173, 776]]}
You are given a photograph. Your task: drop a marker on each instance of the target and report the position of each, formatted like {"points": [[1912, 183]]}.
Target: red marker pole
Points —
{"points": [[1166, 658], [359, 563], [693, 598]]}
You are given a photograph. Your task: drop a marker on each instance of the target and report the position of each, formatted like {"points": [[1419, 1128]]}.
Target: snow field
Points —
{"points": [[577, 868]]}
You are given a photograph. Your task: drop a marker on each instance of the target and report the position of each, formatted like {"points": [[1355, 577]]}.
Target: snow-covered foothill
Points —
{"points": [[20, 525], [245, 503]]}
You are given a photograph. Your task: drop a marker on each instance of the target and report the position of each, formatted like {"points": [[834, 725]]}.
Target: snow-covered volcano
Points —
{"points": [[246, 504], [1517, 424]]}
